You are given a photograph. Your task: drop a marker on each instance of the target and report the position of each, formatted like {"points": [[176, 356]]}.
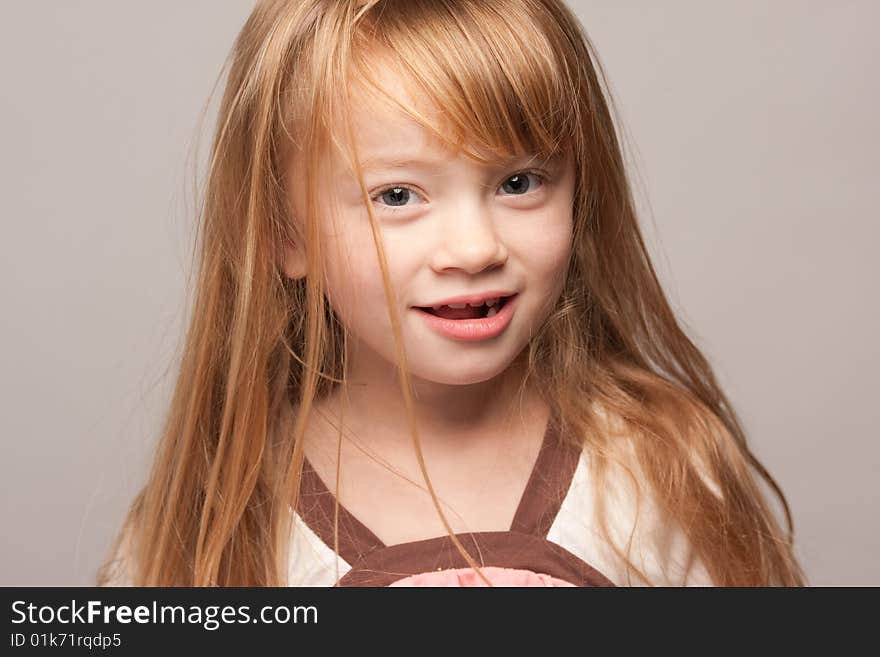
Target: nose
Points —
{"points": [[469, 241]]}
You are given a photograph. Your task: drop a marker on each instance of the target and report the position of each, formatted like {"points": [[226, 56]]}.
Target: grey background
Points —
{"points": [[754, 146]]}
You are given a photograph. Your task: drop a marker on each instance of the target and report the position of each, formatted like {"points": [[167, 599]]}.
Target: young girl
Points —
{"points": [[428, 345]]}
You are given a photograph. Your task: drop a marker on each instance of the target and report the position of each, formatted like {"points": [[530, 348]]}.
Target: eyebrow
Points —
{"points": [[374, 163], [400, 163]]}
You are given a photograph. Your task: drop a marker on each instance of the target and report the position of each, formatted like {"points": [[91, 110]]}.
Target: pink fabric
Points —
{"points": [[469, 577]]}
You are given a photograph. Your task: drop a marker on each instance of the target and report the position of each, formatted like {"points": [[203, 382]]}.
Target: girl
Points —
{"points": [[428, 345]]}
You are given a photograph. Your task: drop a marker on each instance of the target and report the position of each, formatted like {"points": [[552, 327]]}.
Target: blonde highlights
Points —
{"points": [[261, 347]]}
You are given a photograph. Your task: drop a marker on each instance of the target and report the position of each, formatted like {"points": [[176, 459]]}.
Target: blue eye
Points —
{"points": [[398, 197], [520, 183], [395, 196]]}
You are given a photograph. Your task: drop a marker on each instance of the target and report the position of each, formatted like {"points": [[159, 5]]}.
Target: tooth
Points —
{"points": [[457, 305], [492, 302], [436, 307], [476, 304], [492, 311]]}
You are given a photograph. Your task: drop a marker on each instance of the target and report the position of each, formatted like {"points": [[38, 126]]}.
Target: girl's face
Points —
{"points": [[450, 227]]}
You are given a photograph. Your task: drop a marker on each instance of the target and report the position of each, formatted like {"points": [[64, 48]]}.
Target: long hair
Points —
{"points": [[513, 77]]}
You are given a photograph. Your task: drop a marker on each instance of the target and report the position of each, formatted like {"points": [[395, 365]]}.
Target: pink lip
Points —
{"points": [[472, 329], [470, 298]]}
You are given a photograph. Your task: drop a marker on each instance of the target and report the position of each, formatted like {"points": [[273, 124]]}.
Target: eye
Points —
{"points": [[398, 197], [395, 197], [522, 183]]}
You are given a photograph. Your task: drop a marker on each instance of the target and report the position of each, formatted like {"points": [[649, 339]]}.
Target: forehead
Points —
{"points": [[383, 125], [395, 125]]}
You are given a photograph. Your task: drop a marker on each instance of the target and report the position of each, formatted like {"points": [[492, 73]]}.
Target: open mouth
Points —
{"points": [[483, 310]]}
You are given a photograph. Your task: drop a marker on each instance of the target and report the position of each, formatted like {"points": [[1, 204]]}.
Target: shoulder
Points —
{"points": [[638, 530], [311, 561]]}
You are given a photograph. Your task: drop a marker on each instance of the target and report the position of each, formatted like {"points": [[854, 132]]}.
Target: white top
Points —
{"points": [[555, 532]]}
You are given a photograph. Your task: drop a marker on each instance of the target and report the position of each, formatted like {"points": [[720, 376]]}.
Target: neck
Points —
{"points": [[447, 416]]}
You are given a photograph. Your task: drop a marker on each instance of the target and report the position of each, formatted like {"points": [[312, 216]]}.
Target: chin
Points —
{"points": [[470, 375]]}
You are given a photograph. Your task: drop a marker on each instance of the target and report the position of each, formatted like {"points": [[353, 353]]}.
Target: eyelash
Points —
{"points": [[540, 175]]}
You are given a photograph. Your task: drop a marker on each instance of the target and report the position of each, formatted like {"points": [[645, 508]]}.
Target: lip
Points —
{"points": [[472, 330], [470, 298]]}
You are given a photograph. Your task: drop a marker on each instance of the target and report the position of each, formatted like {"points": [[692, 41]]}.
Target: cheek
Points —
{"points": [[546, 246], [353, 278]]}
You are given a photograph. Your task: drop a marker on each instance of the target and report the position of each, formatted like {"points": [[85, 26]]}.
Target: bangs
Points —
{"points": [[496, 89]]}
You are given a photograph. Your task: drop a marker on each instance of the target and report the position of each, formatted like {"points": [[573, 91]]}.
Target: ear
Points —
{"points": [[293, 261], [291, 247]]}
